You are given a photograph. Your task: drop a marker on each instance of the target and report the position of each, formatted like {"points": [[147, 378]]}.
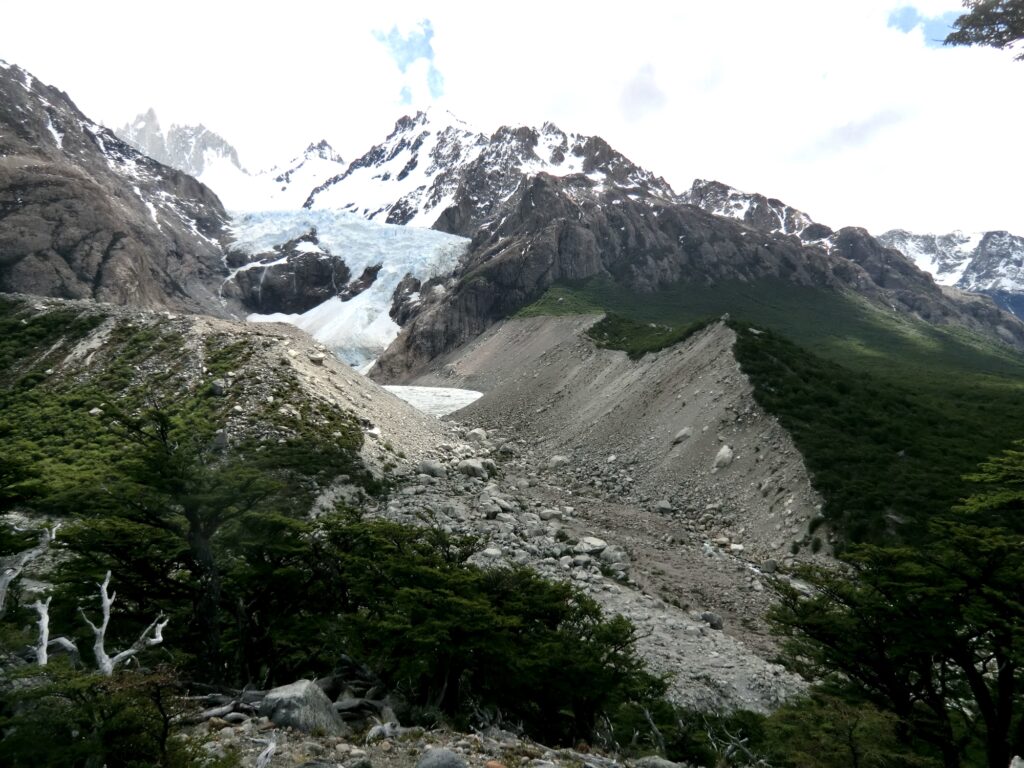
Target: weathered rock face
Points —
{"points": [[569, 228], [291, 278], [83, 215]]}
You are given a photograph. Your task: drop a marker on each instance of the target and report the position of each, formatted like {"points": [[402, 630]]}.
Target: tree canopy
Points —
{"points": [[996, 23]]}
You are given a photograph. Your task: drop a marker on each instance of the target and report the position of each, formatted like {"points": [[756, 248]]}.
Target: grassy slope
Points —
{"points": [[888, 412]]}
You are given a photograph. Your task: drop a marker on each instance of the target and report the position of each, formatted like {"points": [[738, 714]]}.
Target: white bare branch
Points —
{"points": [[12, 566], [263, 759], [42, 646], [152, 635]]}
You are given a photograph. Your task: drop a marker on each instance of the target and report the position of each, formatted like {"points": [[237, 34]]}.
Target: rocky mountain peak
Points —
{"points": [[323, 150], [435, 170], [189, 148], [755, 210]]}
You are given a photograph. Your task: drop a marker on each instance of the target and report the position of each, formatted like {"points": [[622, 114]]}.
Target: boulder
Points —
{"points": [[557, 461], [433, 468], [303, 706], [472, 468], [440, 758], [614, 554], [724, 457], [590, 545], [478, 435], [713, 619]]}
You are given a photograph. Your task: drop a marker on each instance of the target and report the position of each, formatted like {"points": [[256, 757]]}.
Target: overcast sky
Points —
{"points": [[848, 110]]}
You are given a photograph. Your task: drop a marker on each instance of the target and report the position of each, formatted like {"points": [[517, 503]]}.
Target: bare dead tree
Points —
{"points": [[152, 635], [44, 643], [12, 566]]}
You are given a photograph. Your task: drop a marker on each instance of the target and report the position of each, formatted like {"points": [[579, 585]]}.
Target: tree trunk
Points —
{"points": [[207, 603]]}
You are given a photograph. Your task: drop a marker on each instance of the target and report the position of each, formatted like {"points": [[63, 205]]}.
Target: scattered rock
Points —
{"points": [[219, 387], [478, 435], [440, 758], [557, 460]]}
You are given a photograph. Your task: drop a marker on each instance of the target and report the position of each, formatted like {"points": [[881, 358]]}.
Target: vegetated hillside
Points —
{"points": [[889, 413]]}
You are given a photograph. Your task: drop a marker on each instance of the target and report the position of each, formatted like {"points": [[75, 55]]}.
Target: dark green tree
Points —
{"points": [[933, 634], [996, 23]]}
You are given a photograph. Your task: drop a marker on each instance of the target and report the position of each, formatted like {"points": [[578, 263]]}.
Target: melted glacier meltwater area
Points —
{"points": [[359, 329], [435, 401]]}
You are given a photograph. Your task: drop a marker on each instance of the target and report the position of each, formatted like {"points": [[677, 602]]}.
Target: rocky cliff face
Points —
{"points": [[573, 228], [84, 215], [991, 263]]}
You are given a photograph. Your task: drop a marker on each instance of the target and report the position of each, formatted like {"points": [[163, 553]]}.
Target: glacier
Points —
{"points": [[359, 329]]}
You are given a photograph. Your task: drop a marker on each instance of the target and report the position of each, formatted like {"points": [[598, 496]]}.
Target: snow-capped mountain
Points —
{"points": [[282, 188], [336, 275], [199, 152], [189, 148], [755, 210], [978, 261], [435, 171], [85, 215]]}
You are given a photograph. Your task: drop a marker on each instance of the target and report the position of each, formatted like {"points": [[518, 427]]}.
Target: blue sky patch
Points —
{"points": [[935, 28], [406, 49]]}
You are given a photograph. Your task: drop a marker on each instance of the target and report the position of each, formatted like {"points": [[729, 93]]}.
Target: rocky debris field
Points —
{"points": [[679, 595], [676, 433]]}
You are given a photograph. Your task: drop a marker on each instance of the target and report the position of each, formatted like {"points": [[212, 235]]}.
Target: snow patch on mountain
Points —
{"points": [[766, 214], [973, 261], [359, 329]]}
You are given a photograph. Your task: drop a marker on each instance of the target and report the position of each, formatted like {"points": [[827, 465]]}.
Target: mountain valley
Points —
{"points": [[691, 429]]}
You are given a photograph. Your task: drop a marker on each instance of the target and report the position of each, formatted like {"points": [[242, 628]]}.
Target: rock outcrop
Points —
{"points": [[84, 215]]}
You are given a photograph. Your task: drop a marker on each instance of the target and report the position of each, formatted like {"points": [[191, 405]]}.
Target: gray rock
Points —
{"points": [[478, 435], [317, 358], [440, 758], [472, 468], [664, 505], [683, 434], [591, 545], [713, 619], [724, 457], [614, 554], [557, 460], [433, 468], [219, 387], [653, 761], [303, 706], [96, 412]]}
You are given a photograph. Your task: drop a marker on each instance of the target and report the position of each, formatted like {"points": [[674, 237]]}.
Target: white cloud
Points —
{"points": [[821, 104]]}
